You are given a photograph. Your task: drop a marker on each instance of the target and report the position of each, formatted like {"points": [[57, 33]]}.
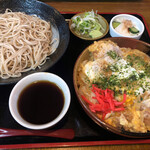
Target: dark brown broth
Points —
{"points": [[40, 102]]}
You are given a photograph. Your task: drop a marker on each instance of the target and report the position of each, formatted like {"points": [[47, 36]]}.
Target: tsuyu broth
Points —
{"points": [[40, 102]]}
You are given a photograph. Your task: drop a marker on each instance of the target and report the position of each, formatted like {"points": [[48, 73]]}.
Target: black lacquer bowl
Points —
{"points": [[45, 12]]}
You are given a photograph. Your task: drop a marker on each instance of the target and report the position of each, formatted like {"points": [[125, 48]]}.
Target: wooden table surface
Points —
{"points": [[112, 6]]}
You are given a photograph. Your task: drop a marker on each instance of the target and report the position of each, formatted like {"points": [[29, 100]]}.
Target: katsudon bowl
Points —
{"points": [[84, 101], [60, 31]]}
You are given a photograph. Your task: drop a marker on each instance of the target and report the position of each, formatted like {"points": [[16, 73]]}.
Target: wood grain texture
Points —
{"points": [[140, 6], [113, 147]]}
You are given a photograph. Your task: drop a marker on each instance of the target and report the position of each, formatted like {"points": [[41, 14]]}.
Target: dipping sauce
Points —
{"points": [[40, 102]]}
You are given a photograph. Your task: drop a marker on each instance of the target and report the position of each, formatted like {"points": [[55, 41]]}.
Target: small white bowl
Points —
{"points": [[138, 23], [24, 82]]}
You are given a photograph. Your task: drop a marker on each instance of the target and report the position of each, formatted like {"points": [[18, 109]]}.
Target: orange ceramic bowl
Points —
{"points": [[122, 42]]}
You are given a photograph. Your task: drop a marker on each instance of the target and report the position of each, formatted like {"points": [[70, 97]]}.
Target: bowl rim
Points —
{"points": [[58, 21], [23, 83], [89, 39], [93, 116], [131, 16]]}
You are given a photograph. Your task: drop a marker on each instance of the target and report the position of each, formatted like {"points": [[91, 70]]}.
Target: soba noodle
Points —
{"points": [[25, 43]]}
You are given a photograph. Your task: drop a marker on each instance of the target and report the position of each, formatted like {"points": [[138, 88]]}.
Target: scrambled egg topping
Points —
{"points": [[121, 70]]}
